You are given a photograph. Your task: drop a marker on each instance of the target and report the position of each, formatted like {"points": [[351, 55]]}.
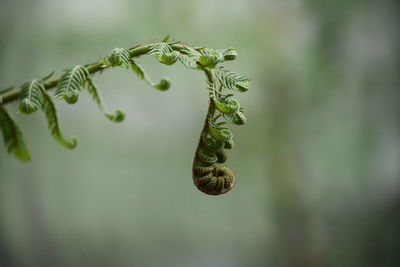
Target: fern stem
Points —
{"points": [[12, 95]]}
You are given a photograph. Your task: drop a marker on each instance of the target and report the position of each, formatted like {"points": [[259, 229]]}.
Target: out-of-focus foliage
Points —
{"points": [[317, 165]]}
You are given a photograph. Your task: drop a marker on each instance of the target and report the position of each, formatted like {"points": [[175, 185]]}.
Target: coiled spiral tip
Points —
{"points": [[220, 181]]}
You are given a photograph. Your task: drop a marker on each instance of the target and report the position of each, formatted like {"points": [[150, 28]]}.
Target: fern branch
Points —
{"points": [[11, 94], [215, 136]]}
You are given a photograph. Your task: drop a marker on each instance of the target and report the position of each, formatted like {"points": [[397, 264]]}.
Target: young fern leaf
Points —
{"points": [[50, 112], [189, 58], [91, 88], [71, 83], [160, 48], [12, 135], [163, 85], [119, 57], [232, 81], [31, 96], [210, 58]]}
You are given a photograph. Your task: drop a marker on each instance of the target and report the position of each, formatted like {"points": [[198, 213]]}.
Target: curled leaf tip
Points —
{"points": [[164, 85], [230, 54], [118, 117]]}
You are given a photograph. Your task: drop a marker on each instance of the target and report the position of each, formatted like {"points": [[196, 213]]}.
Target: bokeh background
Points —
{"points": [[318, 163]]}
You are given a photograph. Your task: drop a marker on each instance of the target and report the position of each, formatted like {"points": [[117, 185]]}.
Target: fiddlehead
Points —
{"points": [[215, 137], [71, 83], [207, 175]]}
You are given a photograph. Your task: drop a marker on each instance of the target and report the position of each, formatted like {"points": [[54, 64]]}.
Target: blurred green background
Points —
{"points": [[317, 164]]}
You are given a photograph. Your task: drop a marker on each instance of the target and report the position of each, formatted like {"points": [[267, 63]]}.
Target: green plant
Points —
{"points": [[215, 136]]}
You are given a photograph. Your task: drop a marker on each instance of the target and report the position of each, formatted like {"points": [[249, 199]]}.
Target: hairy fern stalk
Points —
{"points": [[215, 137]]}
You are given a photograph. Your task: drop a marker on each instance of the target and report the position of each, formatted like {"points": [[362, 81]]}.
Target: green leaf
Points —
{"points": [[31, 96], [48, 76], [119, 57], [163, 85], [12, 135], [91, 88], [166, 38], [231, 80], [71, 83], [50, 111]]}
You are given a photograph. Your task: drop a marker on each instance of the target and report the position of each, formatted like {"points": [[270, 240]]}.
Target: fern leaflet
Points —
{"points": [[12, 135], [50, 111], [91, 88], [163, 85], [119, 57], [231, 80], [160, 48]]}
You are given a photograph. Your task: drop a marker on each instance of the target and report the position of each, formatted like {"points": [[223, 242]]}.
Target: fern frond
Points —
{"points": [[231, 80], [31, 96], [163, 85], [50, 111], [91, 88], [160, 48], [71, 83], [119, 57], [12, 136]]}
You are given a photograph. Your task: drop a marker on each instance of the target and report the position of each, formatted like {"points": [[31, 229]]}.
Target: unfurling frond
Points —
{"points": [[210, 57], [221, 134], [169, 58], [230, 107], [232, 81], [160, 48], [230, 54], [117, 117], [31, 96], [12, 136], [71, 83], [163, 85], [237, 118], [189, 57], [119, 57], [50, 111]]}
